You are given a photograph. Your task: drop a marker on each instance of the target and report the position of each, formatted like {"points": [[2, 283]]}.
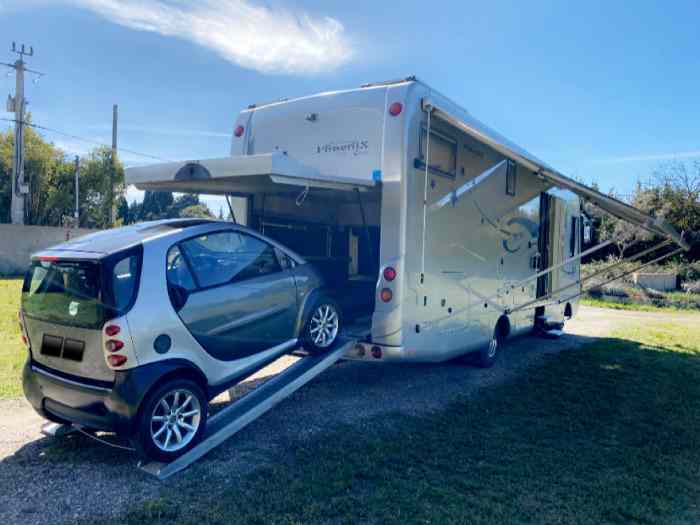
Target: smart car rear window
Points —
{"points": [[64, 292]]}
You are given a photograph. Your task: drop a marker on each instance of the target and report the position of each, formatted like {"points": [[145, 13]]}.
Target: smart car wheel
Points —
{"points": [[323, 326], [172, 420]]}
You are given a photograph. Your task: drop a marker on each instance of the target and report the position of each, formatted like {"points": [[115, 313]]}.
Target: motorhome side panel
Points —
{"points": [[480, 237]]}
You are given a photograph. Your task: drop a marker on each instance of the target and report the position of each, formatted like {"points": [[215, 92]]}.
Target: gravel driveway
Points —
{"points": [[46, 480]]}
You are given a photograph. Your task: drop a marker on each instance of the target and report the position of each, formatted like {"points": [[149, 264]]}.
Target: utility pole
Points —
{"points": [[17, 105], [112, 172], [77, 191]]}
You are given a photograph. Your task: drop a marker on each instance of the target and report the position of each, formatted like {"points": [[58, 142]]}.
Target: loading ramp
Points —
{"points": [[251, 406]]}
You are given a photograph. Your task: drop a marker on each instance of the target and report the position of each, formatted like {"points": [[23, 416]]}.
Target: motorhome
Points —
{"points": [[444, 236]]}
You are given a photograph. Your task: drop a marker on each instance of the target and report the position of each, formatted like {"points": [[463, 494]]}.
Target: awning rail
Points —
{"points": [[615, 207]]}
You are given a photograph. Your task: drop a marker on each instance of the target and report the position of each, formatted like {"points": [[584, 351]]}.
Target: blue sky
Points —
{"points": [[604, 91]]}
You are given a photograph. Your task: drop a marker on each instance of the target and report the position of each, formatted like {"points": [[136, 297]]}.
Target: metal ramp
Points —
{"points": [[251, 406]]}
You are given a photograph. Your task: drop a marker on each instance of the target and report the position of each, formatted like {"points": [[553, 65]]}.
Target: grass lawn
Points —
{"points": [[606, 434], [12, 351], [602, 303]]}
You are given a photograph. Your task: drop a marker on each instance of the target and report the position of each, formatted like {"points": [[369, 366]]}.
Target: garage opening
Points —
{"points": [[337, 231]]}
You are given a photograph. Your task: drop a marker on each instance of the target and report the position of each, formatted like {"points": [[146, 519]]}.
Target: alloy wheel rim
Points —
{"points": [[175, 420], [324, 326]]}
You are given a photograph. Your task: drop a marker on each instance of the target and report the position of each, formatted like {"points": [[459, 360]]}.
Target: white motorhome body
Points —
{"points": [[482, 235]]}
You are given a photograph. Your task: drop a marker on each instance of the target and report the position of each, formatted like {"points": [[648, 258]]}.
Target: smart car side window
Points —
{"points": [[230, 256], [177, 271]]}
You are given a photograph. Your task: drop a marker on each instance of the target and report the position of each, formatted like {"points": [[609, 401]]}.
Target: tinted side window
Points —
{"points": [[225, 257], [177, 271], [124, 280]]}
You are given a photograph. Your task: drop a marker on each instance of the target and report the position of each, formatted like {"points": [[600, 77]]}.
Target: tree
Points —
{"points": [[50, 175], [95, 179], [197, 211], [673, 195], [162, 205], [156, 205]]}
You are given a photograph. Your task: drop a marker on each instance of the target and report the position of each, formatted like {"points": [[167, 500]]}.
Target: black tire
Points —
{"points": [[150, 447], [310, 338]]}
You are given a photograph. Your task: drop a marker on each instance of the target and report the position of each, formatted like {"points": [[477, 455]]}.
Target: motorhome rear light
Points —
{"points": [[112, 330], [113, 345], [395, 109], [238, 132], [386, 295], [376, 352], [116, 360], [389, 273], [360, 350]]}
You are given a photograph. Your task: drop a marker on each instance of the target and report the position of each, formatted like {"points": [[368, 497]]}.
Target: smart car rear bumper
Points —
{"points": [[95, 405]]}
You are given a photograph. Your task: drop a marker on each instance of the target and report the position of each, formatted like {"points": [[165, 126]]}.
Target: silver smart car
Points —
{"points": [[135, 330]]}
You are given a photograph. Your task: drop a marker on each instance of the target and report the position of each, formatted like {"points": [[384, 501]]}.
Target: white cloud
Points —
{"points": [[270, 40], [650, 157]]}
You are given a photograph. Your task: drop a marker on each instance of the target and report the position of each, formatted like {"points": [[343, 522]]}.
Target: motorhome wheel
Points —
{"points": [[172, 420]]}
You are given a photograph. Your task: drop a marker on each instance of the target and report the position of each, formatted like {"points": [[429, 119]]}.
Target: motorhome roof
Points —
{"points": [[369, 85]]}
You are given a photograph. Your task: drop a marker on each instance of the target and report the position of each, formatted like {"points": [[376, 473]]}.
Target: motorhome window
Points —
{"points": [[177, 271], [226, 257], [511, 170], [64, 292], [572, 239], [443, 152]]}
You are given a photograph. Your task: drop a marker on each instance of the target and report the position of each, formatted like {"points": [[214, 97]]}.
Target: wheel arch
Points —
{"points": [[134, 385], [307, 308], [503, 327]]}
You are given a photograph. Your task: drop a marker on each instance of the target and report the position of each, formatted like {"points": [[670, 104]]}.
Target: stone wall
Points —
{"points": [[18, 243]]}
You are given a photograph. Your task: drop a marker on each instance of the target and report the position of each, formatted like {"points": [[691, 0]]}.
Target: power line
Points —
{"points": [[83, 139]]}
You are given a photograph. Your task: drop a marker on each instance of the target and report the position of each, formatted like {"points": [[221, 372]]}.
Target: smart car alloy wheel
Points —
{"points": [[324, 325], [175, 420]]}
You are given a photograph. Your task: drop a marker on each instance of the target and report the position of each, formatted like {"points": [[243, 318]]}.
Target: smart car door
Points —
{"points": [[242, 302]]}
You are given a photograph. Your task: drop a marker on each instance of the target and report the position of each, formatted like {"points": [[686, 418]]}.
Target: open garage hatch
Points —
{"points": [[333, 222], [247, 174]]}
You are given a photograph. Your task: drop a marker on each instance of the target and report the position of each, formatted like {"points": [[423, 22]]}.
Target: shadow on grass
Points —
{"points": [[609, 434]]}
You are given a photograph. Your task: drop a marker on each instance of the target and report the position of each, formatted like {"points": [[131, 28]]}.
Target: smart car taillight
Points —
{"points": [[116, 359], [114, 345]]}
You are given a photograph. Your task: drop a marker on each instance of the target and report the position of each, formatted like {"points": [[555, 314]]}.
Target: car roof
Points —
{"points": [[102, 243]]}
